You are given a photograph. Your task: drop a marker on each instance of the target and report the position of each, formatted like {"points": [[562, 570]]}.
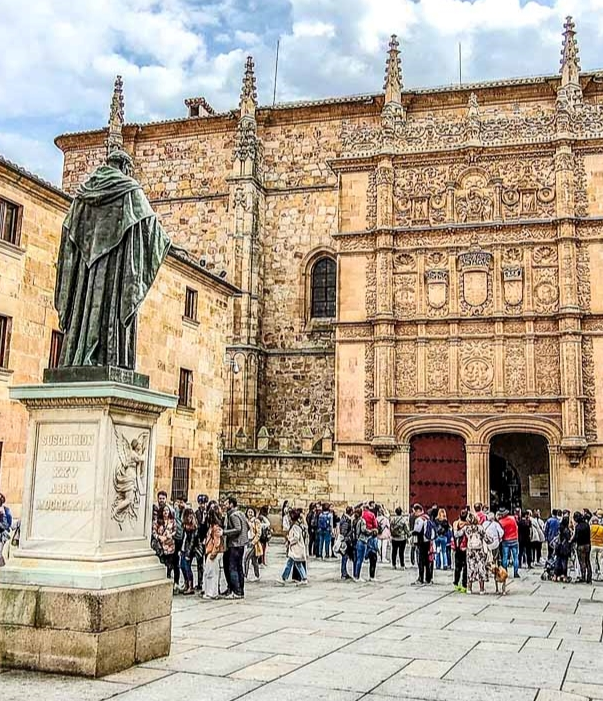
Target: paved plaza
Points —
{"points": [[343, 641]]}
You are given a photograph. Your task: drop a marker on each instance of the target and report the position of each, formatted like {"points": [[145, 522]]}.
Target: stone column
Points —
{"points": [[402, 459], [554, 467], [478, 473]]}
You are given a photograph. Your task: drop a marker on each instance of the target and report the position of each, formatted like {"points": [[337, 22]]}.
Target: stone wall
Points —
{"points": [[166, 342]]}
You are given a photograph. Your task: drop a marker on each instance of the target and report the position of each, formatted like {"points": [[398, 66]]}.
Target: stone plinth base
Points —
{"points": [[85, 632]]}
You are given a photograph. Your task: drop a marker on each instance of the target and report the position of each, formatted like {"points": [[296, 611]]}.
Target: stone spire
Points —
{"points": [[569, 94], [249, 97], [570, 55], [116, 117], [393, 73]]}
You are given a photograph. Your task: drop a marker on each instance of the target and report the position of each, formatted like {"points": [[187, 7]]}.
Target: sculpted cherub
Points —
{"points": [[128, 476]]}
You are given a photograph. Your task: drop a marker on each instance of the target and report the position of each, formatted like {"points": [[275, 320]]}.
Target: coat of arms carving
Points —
{"points": [[475, 272], [437, 288], [513, 285]]}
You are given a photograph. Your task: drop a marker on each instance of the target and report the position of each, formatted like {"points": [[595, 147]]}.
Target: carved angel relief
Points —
{"points": [[129, 475]]}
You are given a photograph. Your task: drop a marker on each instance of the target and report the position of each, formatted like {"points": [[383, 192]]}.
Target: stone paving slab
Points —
{"points": [[281, 692], [183, 686], [208, 660], [281, 642], [25, 686]]}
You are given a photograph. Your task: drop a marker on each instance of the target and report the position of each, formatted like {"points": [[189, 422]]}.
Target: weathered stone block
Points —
{"points": [[18, 605], [153, 639]]}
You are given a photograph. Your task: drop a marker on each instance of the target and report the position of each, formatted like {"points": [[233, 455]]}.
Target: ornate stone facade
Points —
{"points": [[466, 226]]}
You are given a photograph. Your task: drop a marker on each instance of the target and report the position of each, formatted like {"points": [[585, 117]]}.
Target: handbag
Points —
{"points": [[338, 545]]}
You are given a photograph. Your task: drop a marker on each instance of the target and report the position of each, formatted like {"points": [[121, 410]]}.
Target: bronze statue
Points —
{"points": [[112, 247]]}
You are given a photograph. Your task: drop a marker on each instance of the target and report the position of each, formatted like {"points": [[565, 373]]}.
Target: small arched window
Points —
{"points": [[324, 285]]}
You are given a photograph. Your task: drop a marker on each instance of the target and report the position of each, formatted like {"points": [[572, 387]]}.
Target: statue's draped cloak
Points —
{"points": [[111, 249]]}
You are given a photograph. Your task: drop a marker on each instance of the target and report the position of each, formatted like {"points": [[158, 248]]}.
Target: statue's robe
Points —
{"points": [[112, 247]]}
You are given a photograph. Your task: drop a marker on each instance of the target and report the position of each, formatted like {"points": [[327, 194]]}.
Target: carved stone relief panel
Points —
{"points": [[355, 243], [476, 367], [546, 350], [583, 272], [545, 275], [420, 196], [588, 386], [406, 369], [475, 281], [369, 391], [515, 327], [437, 367], [512, 280], [476, 328], [515, 367], [405, 295], [371, 285]]}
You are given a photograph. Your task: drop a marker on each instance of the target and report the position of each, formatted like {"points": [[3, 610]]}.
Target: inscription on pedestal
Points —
{"points": [[64, 480]]}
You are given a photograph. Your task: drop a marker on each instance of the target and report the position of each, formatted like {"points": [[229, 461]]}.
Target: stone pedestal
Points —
{"points": [[84, 593]]}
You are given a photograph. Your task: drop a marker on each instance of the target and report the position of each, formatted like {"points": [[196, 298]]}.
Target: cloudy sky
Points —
{"points": [[59, 57]]}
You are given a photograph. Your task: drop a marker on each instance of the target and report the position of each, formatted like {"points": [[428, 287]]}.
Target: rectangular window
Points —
{"points": [[5, 329], [180, 478], [56, 345], [185, 388], [9, 222], [190, 304]]}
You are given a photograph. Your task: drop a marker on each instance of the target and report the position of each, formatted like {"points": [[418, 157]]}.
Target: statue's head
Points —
{"points": [[120, 160]]}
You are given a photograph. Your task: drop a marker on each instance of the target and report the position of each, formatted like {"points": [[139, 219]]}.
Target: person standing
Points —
{"points": [[179, 507], [296, 550], [266, 534], [163, 536], [441, 541], [372, 553], [253, 551], [524, 532], [202, 527], [325, 532], [6, 522], [400, 535], [477, 554], [214, 549], [495, 534], [346, 535], [190, 548], [424, 533], [361, 535], [460, 552], [236, 540], [385, 534], [536, 536], [563, 550], [479, 513], [596, 546], [285, 520], [581, 540], [510, 540], [551, 531]]}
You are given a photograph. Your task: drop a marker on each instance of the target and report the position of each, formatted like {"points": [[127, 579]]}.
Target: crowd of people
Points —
{"points": [[227, 547]]}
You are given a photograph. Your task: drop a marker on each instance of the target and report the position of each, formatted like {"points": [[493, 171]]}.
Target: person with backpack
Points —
{"points": [[424, 533], [400, 535], [510, 540], [477, 554], [346, 533], [372, 555], [325, 531], [441, 541], [459, 542], [362, 534]]}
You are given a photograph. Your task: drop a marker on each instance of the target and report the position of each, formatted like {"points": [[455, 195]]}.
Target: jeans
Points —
{"points": [[398, 549], [586, 572], [460, 567], [236, 575], [360, 554], [324, 541], [596, 555], [299, 566], [251, 559], [372, 558], [187, 570], [200, 558], [344, 563], [510, 547], [425, 566], [525, 554], [441, 555]]}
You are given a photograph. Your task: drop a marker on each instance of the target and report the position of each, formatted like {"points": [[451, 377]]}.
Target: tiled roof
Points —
{"points": [[19, 170]]}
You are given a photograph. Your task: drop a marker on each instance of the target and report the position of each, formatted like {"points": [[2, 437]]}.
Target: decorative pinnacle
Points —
{"points": [[249, 96], [393, 72], [473, 105], [116, 115], [570, 55]]}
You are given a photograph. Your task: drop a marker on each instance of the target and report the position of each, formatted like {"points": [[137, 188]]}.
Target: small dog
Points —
{"points": [[500, 577]]}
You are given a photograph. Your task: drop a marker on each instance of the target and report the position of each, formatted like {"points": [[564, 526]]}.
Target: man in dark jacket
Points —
{"points": [[202, 528], [346, 531], [581, 540], [236, 534]]}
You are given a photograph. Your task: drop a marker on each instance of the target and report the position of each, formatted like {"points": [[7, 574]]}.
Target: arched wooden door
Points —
{"points": [[438, 471]]}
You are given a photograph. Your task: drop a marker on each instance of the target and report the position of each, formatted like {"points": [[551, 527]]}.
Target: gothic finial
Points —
{"points": [[393, 73], [249, 96], [116, 116], [570, 58]]}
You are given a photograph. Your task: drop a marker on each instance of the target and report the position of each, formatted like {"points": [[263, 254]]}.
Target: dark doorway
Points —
{"points": [[438, 471], [519, 472]]}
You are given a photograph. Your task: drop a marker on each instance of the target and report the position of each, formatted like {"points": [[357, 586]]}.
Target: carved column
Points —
{"points": [[570, 343], [497, 213], [402, 459], [554, 467], [499, 360], [478, 473], [383, 327], [530, 360], [454, 343]]}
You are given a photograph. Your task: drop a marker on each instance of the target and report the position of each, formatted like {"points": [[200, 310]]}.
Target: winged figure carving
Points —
{"points": [[128, 476]]}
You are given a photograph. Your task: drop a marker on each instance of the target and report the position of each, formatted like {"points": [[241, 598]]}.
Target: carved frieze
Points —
{"points": [[369, 390], [405, 293], [371, 285], [371, 201], [515, 327], [588, 387], [476, 367], [437, 367], [546, 350], [583, 276], [436, 284], [406, 369], [357, 242], [515, 367]]}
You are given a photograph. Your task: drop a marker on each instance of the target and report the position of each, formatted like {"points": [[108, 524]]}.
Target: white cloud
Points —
{"points": [[59, 57]]}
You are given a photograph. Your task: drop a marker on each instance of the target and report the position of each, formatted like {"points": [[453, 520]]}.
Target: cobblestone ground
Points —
{"points": [[340, 641]]}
